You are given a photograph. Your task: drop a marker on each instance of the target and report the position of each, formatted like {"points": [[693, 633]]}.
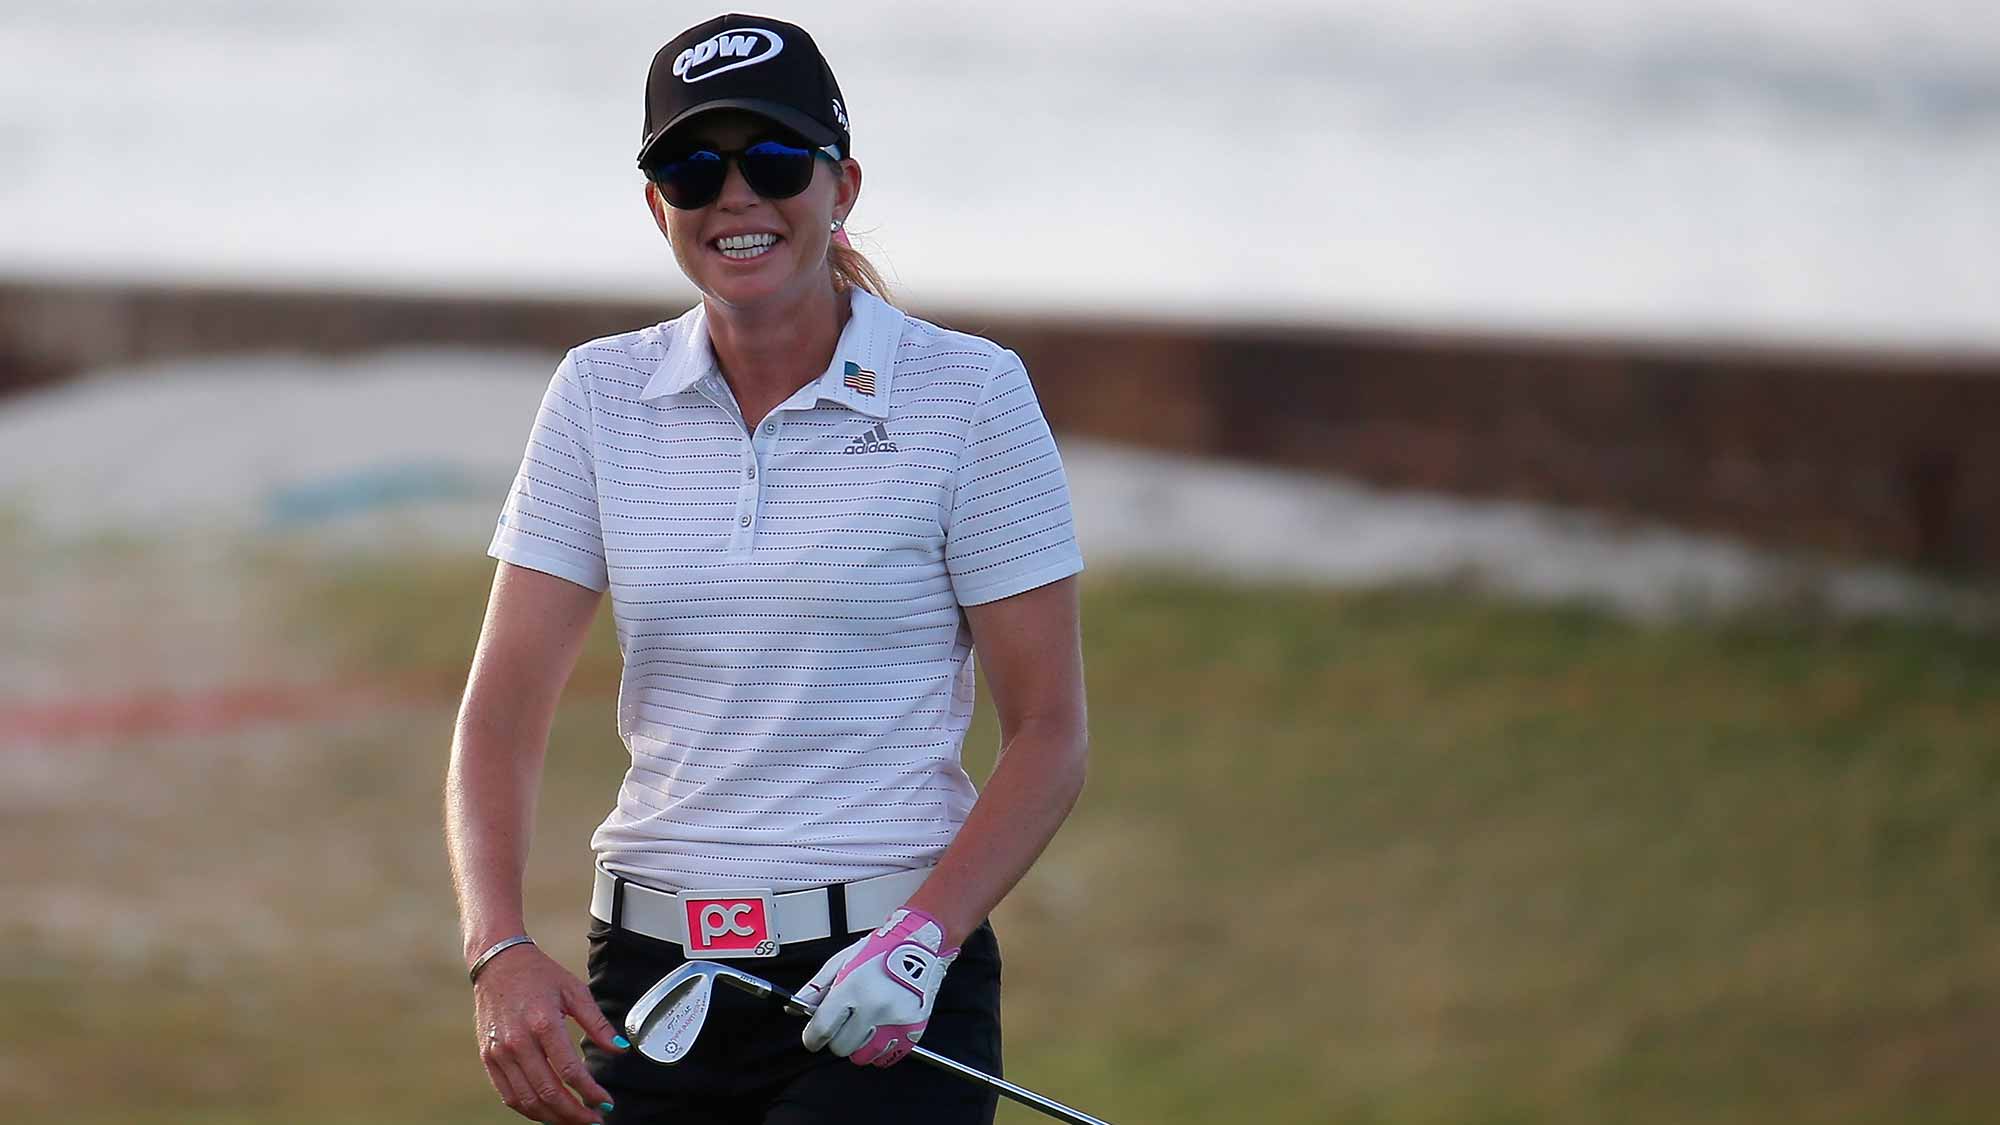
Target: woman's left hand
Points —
{"points": [[875, 996]]}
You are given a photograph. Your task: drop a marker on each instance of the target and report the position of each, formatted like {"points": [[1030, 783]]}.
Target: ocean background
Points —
{"points": [[1824, 170]]}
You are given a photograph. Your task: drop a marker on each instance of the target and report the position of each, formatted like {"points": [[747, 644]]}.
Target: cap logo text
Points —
{"points": [[748, 46]]}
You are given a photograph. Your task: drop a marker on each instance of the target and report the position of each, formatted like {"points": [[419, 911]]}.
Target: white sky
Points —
{"points": [[1749, 167]]}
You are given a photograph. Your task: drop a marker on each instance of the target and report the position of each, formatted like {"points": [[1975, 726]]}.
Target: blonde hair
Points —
{"points": [[852, 268]]}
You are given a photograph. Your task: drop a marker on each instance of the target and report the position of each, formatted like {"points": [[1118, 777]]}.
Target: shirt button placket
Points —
{"points": [[746, 507]]}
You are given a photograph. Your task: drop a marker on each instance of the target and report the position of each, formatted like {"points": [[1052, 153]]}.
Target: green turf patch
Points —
{"points": [[1395, 856]]}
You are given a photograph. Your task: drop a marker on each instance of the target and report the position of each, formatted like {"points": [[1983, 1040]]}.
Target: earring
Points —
{"points": [[837, 224]]}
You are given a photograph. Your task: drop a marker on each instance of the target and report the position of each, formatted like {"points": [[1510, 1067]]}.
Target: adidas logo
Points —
{"points": [[875, 439]]}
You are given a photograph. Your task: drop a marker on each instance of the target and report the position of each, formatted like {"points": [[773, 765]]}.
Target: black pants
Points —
{"points": [[748, 1067]]}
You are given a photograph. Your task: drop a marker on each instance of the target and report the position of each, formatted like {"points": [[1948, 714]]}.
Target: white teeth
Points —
{"points": [[741, 246]]}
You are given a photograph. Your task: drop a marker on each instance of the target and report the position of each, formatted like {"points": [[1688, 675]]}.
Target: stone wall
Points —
{"points": [[1880, 454]]}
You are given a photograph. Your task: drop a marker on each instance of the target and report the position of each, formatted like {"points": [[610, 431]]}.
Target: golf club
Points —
{"points": [[664, 1022]]}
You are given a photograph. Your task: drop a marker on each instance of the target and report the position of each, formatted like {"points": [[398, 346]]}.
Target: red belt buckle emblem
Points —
{"points": [[723, 924]]}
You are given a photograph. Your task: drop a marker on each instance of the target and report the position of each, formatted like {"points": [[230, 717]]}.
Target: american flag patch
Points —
{"points": [[858, 377]]}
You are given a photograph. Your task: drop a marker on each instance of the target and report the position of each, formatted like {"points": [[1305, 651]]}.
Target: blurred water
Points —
{"points": [[1754, 167]]}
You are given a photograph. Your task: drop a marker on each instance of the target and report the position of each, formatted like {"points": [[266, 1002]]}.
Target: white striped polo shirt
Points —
{"points": [[798, 673]]}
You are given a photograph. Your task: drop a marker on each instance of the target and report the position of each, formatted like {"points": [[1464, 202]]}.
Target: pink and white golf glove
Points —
{"points": [[875, 996]]}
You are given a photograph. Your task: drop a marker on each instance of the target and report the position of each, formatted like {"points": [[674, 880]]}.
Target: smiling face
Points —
{"points": [[744, 250]]}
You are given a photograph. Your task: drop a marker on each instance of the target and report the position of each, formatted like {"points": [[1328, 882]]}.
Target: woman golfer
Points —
{"points": [[808, 508]]}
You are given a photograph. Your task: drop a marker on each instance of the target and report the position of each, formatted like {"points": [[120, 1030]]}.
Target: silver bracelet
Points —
{"points": [[495, 950]]}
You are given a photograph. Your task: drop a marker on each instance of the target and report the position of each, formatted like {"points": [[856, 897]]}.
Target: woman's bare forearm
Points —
{"points": [[489, 816], [1031, 649], [535, 626], [1034, 786]]}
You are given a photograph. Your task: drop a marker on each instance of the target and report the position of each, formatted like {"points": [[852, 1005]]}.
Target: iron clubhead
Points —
{"points": [[664, 1023]]}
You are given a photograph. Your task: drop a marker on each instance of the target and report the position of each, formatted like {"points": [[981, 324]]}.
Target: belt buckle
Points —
{"points": [[726, 924]]}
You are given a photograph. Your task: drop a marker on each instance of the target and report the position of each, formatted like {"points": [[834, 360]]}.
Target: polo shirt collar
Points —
{"points": [[689, 357], [863, 360]]}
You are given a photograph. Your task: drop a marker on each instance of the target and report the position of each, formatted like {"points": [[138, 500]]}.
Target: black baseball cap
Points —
{"points": [[752, 63]]}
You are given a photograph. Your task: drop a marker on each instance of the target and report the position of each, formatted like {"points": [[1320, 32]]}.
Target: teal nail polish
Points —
{"points": [[621, 1042], [606, 1106]]}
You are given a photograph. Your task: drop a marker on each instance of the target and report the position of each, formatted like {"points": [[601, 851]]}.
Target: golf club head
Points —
{"points": [[664, 1022]]}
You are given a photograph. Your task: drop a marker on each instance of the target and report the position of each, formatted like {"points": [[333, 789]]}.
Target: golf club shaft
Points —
{"points": [[1025, 1096], [1028, 1098]]}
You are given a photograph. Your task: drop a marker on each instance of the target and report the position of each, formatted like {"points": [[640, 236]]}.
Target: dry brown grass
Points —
{"points": [[1398, 857]]}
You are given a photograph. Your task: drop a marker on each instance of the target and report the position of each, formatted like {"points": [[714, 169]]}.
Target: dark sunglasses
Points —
{"points": [[773, 169]]}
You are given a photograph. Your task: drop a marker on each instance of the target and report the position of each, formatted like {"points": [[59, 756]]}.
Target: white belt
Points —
{"points": [[795, 915]]}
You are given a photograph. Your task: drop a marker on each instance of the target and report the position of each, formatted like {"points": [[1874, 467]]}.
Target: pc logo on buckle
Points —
{"points": [[724, 924]]}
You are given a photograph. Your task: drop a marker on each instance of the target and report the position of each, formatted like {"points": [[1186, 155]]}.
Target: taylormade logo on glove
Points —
{"points": [[875, 996]]}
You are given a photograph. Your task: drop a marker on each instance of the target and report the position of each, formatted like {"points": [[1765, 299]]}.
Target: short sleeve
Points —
{"points": [[1010, 528], [550, 522]]}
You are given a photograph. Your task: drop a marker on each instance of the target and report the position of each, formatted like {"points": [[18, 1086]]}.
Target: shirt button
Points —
{"points": [[751, 472], [770, 428], [745, 521]]}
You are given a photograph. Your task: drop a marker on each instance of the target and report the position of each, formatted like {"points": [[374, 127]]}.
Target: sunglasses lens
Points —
{"points": [[777, 171], [690, 181]]}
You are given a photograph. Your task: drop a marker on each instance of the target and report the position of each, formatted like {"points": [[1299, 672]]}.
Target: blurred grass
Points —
{"points": [[1396, 856]]}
